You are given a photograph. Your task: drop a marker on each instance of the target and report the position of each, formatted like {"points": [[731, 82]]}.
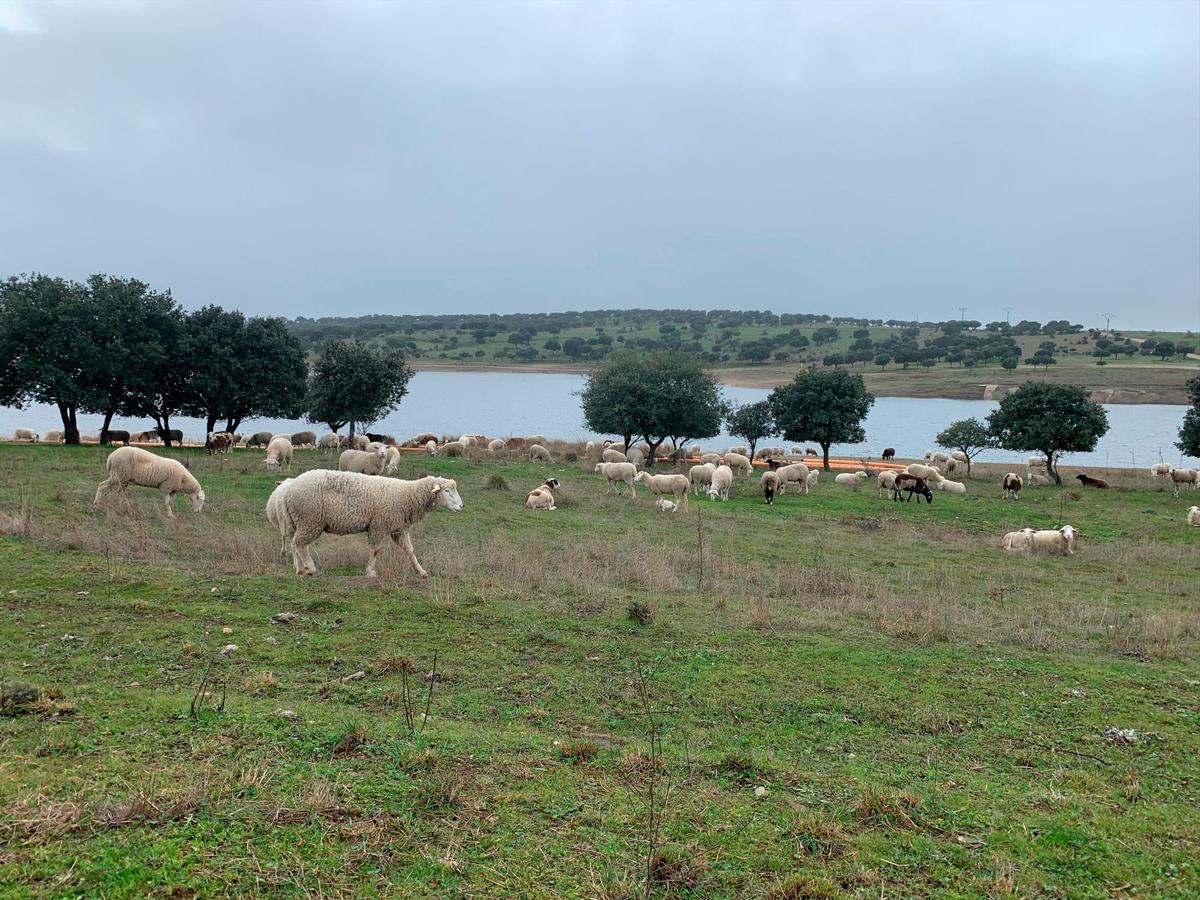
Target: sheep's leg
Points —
{"points": [[300, 551], [405, 540], [373, 543], [170, 502], [632, 489], [103, 488]]}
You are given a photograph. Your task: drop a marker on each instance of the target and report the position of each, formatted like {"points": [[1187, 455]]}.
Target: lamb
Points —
{"points": [[701, 476], [886, 481], [676, 485], [1193, 516], [304, 439], [664, 505], [1036, 480], [738, 462], [613, 456], [1089, 481], [279, 452], [392, 460], [714, 458], [494, 446], [911, 484], [328, 442], [1011, 487], [1016, 541], [542, 496], [219, 442], [451, 448], [1158, 470], [53, 437], [812, 479], [1184, 476], [952, 487], [851, 479], [618, 471], [722, 480], [770, 485], [431, 448], [929, 473], [133, 465], [25, 434], [1059, 541], [324, 502], [538, 453], [795, 472], [364, 462]]}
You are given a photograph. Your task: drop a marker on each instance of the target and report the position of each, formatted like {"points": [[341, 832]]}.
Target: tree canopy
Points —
{"points": [[1189, 431], [826, 407], [752, 423], [356, 384], [1052, 419], [970, 436]]}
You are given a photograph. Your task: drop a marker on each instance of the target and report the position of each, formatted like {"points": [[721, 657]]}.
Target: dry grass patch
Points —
{"points": [[878, 808]]}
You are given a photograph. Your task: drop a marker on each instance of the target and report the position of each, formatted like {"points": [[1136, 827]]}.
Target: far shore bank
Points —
{"points": [[1115, 383]]}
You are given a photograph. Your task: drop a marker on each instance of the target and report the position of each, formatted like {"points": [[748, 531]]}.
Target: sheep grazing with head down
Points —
{"points": [[279, 452], [770, 486], [911, 484], [392, 459], [722, 481], [277, 514], [364, 462], [701, 476], [538, 453], [133, 465], [714, 458], [495, 445], [304, 439], [1011, 487], [739, 463], [929, 473], [1193, 516], [53, 437], [542, 496], [1158, 470], [262, 438], [618, 472], [675, 485], [613, 456], [886, 481], [325, 502], [25, 434]]}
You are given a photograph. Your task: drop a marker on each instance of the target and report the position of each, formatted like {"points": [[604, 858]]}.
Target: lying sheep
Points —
{"points": [[1059, 541], [1190, 477], [886, 481], [613, 456], [133, 465], [1088, 481], [542, 496], [25, 434], [794, 472], [494, 446], [364, 462], [1010, 488], [262, 438], [538, 453], [676, 485], [618, 472], [279, 452], [701, 476], [738, 463], [1017, 541], [325, 502], [952, 487], [851, 479], [1193, 516], [770, 485], [1036, 480], [722, 480], [664, 505]]}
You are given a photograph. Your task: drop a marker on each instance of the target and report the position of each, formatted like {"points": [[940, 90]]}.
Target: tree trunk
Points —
{"points": [[654, 445], [210, 423], [66, 412], [628, 437], [753, 444], [1051, 468], [108, 417], [351, 432], [233, 424], [825, 452]]}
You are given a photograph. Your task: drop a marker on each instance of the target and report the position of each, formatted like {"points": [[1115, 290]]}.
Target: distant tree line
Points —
{"points": [[115, 346]]}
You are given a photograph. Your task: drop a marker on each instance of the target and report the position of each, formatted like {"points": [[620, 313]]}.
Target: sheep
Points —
{"points": [[952, 465], [959, 456], [1010, 488], [1016, 541], [1184, 476], [1089, 481], [676, 485], [133, 465], [927, 456], [636, 456], [494, 446], [813, 477], [1059, 541], [929, 473], [219, 442], [277, 514], [381, 438], [142, 436], [364, 462], [538, 453], [797, 451], [1193, 516], [304, 439], [911, 484], [618, 472], [714, 458], [420, 440], [613, 456], [262, 438], [542, 496], [770, 485], [889, 453], [1036, 480], [25, 434], [53, 437], [1158, 470], [738, 462], [279, 452], [431, 448], [664, 505], [809, 451], [325, 502], [795, 472], [115, 436], [327, 442], [1037, 462], [357, 442], [952, 487], [886, 480], [451, 448], [741, 451], [589, 447], [392, 459], [850, 479], [701, 476], [722, 480], [695, 450]]}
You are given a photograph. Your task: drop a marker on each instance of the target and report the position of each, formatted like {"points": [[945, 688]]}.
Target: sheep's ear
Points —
{"points": [[437, 486]]}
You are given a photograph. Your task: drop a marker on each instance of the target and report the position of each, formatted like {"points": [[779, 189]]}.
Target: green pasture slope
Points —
{"points": [[926, 715]]}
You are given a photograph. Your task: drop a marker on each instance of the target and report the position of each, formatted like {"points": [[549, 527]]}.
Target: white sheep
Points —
{"points": [[495, 446], [358, 442], [1036, 480], [739, 463], [431, 448], [618, 472], [1016, 541], [770, 486], [951, 487], [929, 473], [325, 502], [676, 485], [701, 476], [1193, 516], [392, 461], [794, 472], [327, 444], [851, 479], [813, 477], [664, 505], [279, 452], [1158, 470], [714, 458], [364, 462], [741, 451], [1190, 477], [613, 456], [1060, 541], [1037, 462], [451, 448], [25, 434], [636, 456], [538, 453], [277, 514], [886, 480], [722, 480], [589, 447], [133, 465], [542, 496], [53, 437], [959, 456]]}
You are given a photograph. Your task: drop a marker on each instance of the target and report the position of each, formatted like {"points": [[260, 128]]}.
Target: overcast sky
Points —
{"points": [[879, 159]]}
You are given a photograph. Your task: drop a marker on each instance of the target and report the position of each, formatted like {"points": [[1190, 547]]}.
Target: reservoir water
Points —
{"points": [[508, 403]]}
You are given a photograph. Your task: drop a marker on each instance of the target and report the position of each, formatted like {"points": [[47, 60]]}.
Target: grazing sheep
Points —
{"points": [[1016, 541], [636, 456], [722, 480], [1193, 516], [451, 448], [53, 437], [952, 487], [328, 442], [701, 476], [770, 485], [219, 442], [494, 446], [889, 453], [116, 436], [959, 456], [813, 477], [277, 514], [325, 502], [795, 472], [392, 459], [940, 459], [618, 472], [851, 479], [589, 447], [1010, 488], [739, 463], [613, 456], [542, 496], [676, 485], [1189, 477], [952, 465], [809, 451], [929, 473], [357, 442], [538, 453], [740, 451], [665, 505], [133, 465], [1089, 481], [143, 436], [1037, 462], [304, 439], [381, 438], [25, 434], [1036, 480], [714, 458], [279, 452], [695, 451], [262, 438], [1059, 541], [364, 462], [911, 484], [431, 448], [1158, 470], [886, 481]]}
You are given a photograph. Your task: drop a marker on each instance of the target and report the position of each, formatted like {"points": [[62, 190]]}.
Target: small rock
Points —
{"points": [[760, 792], [1076, 692], [283, 618], [271, 639], [226, 630], [68, 637], [11, 592], [1122, 735], [286, 713], [355, 676], [83, 593], [212, 590], [228, 648]]}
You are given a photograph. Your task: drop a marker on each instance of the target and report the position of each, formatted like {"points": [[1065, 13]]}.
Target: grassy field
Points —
{"points": [[853, 696]]}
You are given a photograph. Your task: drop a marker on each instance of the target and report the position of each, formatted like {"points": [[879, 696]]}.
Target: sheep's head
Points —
{"points": [[272, 461], [552, 484], [197, 500], [446, 490]]}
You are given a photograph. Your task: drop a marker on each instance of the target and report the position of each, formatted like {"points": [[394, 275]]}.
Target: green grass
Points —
{"points": [[927, 714]]}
